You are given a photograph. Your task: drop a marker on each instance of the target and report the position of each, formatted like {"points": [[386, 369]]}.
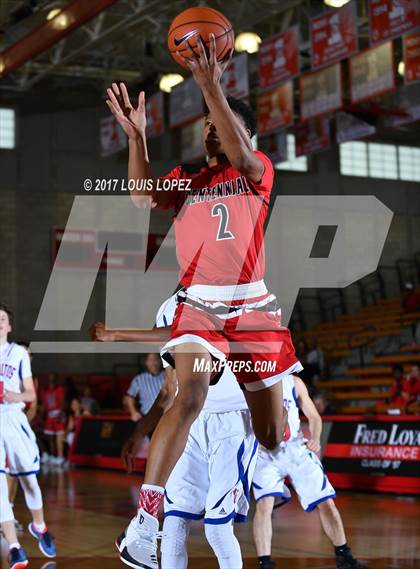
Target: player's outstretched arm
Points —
{"points": [[133, 122], [149, 421], [311, 413], [99, 333], [27, 395], [207, 72]]}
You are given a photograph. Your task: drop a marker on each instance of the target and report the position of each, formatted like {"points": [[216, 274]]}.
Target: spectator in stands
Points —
{"points": [[76, 412], [397, 397], [70, 393], [145, 388], [315, 362], [411, 304], [405, 391], [411, 298], [412, 387], [312, 359], [52, 398], [301, 350], [89, 403], [321, 403]]}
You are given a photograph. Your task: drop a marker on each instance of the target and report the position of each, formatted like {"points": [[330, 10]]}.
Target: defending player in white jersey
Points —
{"points": [[211, 480], [298, 459], [18, 445]]}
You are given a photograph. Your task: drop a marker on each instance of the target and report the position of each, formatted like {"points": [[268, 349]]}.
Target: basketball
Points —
{"points": [[199, 22]]}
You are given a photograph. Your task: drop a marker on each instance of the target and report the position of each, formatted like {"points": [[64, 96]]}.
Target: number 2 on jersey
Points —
{"points": [[220, 210]]}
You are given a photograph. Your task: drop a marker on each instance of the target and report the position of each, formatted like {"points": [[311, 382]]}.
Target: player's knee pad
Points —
{"points": [[174, 543], [226, 547], [6, 512], [32, 491]]}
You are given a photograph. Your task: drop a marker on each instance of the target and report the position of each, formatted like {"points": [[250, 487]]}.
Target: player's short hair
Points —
{"points": [[23, 343], [7, 310], [244, 111]]}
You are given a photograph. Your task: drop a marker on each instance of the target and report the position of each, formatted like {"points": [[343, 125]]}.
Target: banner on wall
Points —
{"points": [[192, 141], [98, 441], [390, 18], [185, 103], [411, 46], [154, 115], [372, 72], [235, 80], [349, 127], [112, 138], [320, 92], [275, 146], [312, 136], [275, 108], [379, 454], [278, 58], [334, 35], [84, 249]]}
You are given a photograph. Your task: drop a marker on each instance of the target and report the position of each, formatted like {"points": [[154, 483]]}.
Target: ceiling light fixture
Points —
{"points": [[247, 41], [336, 3], [401, 68], [169, 80], [53, 13]]}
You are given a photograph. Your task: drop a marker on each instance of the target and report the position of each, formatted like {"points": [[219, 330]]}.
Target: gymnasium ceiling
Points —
{"points": [[127, 41]]}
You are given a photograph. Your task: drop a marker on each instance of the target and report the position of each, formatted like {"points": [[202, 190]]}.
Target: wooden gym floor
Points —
{"points": [[87, 509]]}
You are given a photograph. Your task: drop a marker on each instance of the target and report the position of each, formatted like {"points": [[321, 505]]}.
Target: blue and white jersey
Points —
{"points": [[223, 397], [14, 367], [291, 403]]}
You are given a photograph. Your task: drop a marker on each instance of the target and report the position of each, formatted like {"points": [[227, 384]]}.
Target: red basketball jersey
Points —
{"points": [[219, 225]]}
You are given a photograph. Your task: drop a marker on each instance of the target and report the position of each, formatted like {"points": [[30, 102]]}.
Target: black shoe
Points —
{"points": [[267, 565], [349, 562]]}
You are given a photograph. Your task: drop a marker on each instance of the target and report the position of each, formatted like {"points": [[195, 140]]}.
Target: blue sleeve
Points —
{"points": [[133, 390]]}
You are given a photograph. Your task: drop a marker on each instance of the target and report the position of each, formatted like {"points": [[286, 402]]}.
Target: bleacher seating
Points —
{"points": [[365, 389]]}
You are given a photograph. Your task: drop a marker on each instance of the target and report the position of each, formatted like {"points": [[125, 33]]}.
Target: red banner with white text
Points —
{"points": [[275, 108], [334, 35], [411, 45], [391, 18], [278, 58], [154, 115], [312, 136]]}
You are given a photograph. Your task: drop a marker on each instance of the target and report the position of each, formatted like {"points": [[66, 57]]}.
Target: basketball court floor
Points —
{"points": [[86, 510]]}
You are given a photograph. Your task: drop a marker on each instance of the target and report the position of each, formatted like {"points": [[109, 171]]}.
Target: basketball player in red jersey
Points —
{"points": [[224, 310]]}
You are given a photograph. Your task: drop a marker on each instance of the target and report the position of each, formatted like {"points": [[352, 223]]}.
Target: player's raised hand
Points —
{"points": [[130, 450], [132, 120], [206, 69], [98, 333], [314, 446]]}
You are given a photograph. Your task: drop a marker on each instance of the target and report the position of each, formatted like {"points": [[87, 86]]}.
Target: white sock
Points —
{"points": [[159, 489], [40, 527], [174, 543], [224, 544], [15, 545]]}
